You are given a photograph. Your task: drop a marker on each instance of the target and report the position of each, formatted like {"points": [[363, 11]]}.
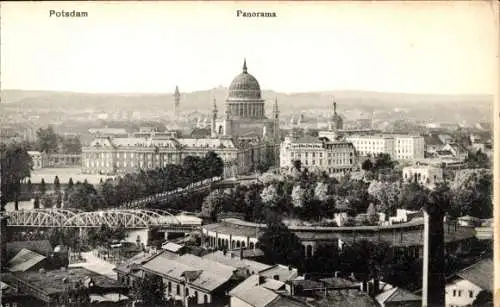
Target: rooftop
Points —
{"points": [[24, 260], [234, 262], [397, 295], [52, 282], [480, 274], [41, 247]]}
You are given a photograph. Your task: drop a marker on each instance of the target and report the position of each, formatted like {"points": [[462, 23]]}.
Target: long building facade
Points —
{"points": [[398, 146], [244, 138], [332, 157]]}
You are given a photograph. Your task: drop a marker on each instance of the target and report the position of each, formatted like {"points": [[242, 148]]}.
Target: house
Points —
{"points": [[432, 143], [397, 297], [463, 287], [42, 247], [192, 278], [47, 288], [457, 150], [26, 260], [260, 291], [280, 272], [250, 266]]}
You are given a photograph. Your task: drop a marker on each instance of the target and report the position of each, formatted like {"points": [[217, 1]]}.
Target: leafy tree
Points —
{"points": [[70, 183], [29, 187], [47, 201], [57, 184], [472, 194], [269, 195], [383, 161], [47, 140], [321, 191], [477, 159], [36, 202], [279, 244], [387, 195], [297, 164], [85, 197], [71, 145], [367, 165], [59, 200], [372, 214], [149, 291], [483, 299], [213, 205], [43, 186], [298, 196], [413, 196], [213, 164], [16, 165]]}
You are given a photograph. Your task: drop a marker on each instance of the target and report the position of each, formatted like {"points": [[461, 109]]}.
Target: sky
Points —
{"points": [[127, 47]]}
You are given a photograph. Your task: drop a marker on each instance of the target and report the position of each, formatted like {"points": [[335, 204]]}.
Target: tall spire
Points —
{"points": [[214, 106], [245, 65]]}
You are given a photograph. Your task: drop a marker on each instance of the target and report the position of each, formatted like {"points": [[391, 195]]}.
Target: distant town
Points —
{"points": [[242, 197]]}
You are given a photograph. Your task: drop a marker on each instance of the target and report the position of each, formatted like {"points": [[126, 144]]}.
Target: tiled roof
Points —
{"points": [[397, 295], [285, 272], [250, 292], [51, 282], [212, 275], [480, 274], [24, 260], [272, 284], [432, 140], [253, 266], [41, 247]]}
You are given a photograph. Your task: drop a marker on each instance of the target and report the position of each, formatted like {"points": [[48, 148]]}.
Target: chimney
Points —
{"points": [[3, 239], [433, 282], [262, 279]]}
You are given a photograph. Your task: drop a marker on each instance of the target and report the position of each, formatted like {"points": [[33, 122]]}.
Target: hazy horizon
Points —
{"points": [[425, 48]]}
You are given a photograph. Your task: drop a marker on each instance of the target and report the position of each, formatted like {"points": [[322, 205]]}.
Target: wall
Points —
{"points": [[171, 290], [464, 298]]}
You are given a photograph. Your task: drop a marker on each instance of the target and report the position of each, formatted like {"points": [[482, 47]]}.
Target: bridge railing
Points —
{"points": [[171, 193]]}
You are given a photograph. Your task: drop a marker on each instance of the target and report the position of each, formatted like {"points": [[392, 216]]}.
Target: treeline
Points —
{"points": [[112, 193]]}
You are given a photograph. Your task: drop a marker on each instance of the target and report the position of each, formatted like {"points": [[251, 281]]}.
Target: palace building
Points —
{"points": [[243, 138]]}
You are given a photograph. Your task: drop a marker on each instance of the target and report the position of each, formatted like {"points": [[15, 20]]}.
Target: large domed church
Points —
{"points": [[244, 117]]}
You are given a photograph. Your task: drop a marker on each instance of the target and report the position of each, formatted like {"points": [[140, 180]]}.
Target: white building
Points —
{"points": [[427, 175], [315, 154], [398, 146], [463, 288], [36, 157]]}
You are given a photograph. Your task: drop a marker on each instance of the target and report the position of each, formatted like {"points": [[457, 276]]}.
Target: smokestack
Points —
{"points": [[3, 239], [241, 252], [433, 282]]}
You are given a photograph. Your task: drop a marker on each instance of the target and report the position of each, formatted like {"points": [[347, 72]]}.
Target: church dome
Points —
{"points": [[244, 87]]}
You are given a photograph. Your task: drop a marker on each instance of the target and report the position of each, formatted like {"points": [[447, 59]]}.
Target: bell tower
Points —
{"points": [[214, 119], [177, 100]]}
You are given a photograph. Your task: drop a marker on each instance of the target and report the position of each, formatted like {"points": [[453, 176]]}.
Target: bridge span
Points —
{"points": [[128, 218]]}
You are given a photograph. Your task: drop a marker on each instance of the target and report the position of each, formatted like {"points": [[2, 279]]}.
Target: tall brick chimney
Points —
{"points": [[433, 279], [3, 241]]}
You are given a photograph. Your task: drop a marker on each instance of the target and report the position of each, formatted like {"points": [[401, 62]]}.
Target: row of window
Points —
{"points": [[335, 162], [320, 154], [458, 293]]}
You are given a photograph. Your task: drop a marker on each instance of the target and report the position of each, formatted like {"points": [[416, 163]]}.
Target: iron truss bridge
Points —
{"points": [[128, 218], [199, 186]]}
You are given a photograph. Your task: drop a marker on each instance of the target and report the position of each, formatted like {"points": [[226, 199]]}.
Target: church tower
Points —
{"points": [[335, 121], [177, 100], [214, 119], [276, 120]]}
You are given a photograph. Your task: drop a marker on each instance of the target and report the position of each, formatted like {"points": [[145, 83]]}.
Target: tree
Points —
{"points": [[483, 299], [57, 184], [372, 214], [213, 164], [321, 191], [43, 187], [149, 291], [29, 188], [85, 197], [47, 140], [47, 201], [298, 196], [367, 165], [59, 200], [279, 244], [383, 161], [472, 194], [387, 195], [269, 195], [213, 205], [16, 165], [297, 164], [36, 202]]}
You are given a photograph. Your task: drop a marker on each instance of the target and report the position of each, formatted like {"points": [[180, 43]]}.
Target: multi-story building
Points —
{"points": [[427, 175], [244, 138], [398, 146], [315, 153]]}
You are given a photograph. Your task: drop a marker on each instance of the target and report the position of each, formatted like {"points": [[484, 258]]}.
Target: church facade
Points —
{"points": [[243, 137]]}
